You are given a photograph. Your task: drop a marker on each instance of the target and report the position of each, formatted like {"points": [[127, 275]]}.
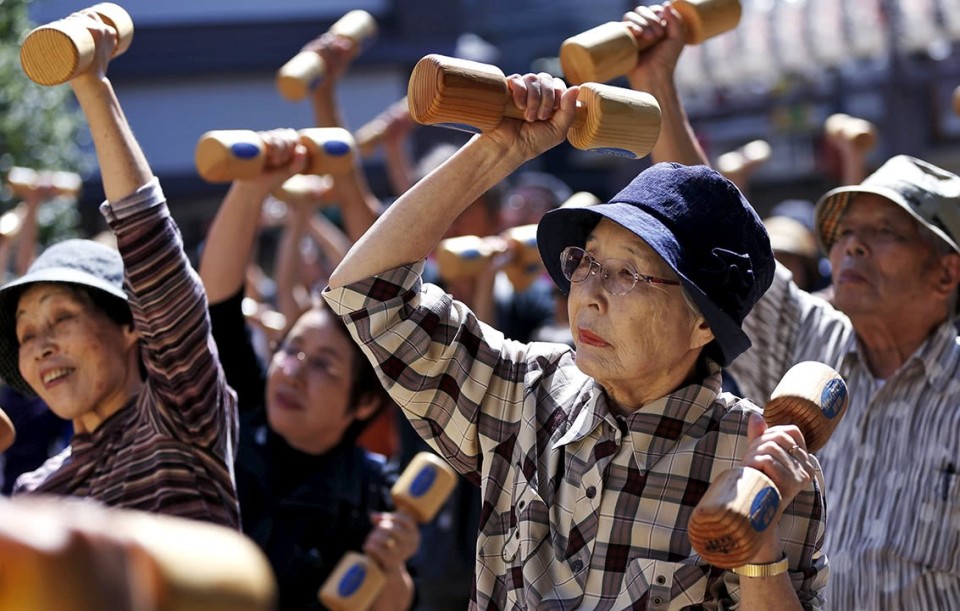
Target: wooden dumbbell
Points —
{"points": [[862, 134], [8, 434], [76, 555], [610, 50], [474, 97], [225, 155], [727, 523], [420, 491], [466, 256], [306, 69], [59, 51], [956, 100], [24, 181], [581, 199], [370, 135]]}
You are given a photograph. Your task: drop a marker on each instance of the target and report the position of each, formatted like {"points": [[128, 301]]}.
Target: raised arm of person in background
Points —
{"points": [[410, 228], [237, 222], [654, 74], [359, 206]]}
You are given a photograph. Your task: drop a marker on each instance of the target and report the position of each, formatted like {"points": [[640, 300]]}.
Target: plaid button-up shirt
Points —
{"points": [[891, 464], [581, 508]]}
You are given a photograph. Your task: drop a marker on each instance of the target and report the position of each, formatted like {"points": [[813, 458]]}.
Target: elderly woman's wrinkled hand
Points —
{"points": [[548, 107], [394, 539], [781, 454]]}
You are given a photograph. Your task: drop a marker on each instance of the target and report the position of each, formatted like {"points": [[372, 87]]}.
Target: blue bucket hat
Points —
{"points": [[82, 262], [700, 224]]}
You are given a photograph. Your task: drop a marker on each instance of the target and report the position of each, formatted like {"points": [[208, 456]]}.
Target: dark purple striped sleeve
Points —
{"points": [[170, 313]]}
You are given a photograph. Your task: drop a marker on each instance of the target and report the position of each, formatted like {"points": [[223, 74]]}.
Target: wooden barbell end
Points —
{"points": [[59, 51], [8, 434], [423, 486]]}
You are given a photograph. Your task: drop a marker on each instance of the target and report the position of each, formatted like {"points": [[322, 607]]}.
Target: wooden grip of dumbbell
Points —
{"points": [[474, 97], [726, 525], [420, 491], [862, 134], [225, 155], [466, 256], [59, 51], [610, 50], [306, 69]]}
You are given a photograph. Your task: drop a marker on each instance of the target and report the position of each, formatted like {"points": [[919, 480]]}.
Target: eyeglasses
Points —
{"points": [[618, 277]]}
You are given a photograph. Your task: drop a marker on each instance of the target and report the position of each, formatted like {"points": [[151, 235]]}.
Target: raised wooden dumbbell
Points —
{"points": [[726, 525], [225, 155], [474, 97], [420, 491], [860, 133], [76, 555], [466, 256], [610, 50], [25, 181], [62, 50], [370, 134], [306, 69]]}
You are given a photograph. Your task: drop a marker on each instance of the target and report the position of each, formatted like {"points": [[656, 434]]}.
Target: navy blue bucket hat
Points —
{"points": [[700, 225], [81, 262]]}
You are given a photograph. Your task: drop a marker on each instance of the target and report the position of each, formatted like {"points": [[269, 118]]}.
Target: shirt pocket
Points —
{"points": [[530, 529], [928, 533]]}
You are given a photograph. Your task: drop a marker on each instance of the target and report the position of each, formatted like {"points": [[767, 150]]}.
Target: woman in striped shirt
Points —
{"points": [[120, 343]]}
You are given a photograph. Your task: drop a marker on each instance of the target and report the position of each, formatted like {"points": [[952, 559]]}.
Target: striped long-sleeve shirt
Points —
{"points": [[171, 449], [893, 533], [581, 508]]}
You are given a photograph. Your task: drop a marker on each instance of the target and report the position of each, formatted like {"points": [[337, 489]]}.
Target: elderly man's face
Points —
{"points": [[627, 341], [881, 265]]}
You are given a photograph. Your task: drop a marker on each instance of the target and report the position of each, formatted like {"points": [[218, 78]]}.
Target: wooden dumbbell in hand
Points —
{"points": [[24, 182], [473, 96], [467, 256], [727, 524], [420, 491], [225, 155], [858, 133], [62, 50], [306, 69], [610, 50]]}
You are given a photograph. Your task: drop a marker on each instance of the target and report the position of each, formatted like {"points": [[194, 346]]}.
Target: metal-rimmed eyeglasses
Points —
{"points": [[618, 277]]}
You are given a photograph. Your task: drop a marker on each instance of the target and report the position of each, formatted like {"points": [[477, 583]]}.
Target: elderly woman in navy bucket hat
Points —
{"points": [[590, 460], [119, 342]]}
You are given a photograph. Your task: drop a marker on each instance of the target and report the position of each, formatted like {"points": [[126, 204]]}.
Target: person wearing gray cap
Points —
{"points": [[591, 459], [119, 342], [890, 467]]}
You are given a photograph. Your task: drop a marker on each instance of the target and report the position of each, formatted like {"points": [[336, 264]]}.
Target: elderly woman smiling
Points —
{"points": [[591, 460]]}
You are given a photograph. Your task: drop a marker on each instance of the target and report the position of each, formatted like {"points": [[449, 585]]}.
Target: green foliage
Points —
{"points": [[39, 126]]}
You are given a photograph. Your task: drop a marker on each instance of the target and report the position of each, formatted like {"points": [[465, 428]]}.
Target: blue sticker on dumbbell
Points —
{"points": [[832, 398], [336, 148], [423, 481], [764, 508], [351, 580], [244, 150]]}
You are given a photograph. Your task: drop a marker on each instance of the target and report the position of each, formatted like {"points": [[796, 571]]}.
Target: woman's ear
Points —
{"points": [[368, 405], [130, 335], [700, 335]]}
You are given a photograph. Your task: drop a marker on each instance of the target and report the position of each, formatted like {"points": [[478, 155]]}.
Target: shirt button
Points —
{"points": [[577, 565], [591, 492], [661, 579], [657, 601], [521, 504]]}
